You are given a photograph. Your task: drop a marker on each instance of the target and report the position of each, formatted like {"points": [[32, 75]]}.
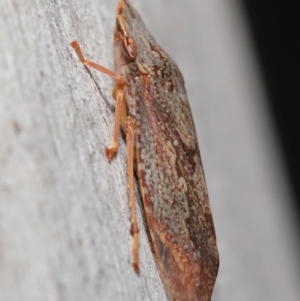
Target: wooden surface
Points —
{"points": [[64, 217]]}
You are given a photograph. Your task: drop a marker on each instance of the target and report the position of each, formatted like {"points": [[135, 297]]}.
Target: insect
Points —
{"points": [[153, 110]]}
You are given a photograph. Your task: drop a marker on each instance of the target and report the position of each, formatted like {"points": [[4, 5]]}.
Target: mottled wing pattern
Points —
{"points": [[174, 190]]}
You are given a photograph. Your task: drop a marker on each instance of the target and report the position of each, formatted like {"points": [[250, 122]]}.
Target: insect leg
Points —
{"points": [[119, 95], [120, 114], [130, 129], [100, 68]]}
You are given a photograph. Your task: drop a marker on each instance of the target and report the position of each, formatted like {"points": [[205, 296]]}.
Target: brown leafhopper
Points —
{"points": [[152, 107]]}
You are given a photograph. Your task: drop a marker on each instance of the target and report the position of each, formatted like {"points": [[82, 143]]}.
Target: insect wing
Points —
{"points": [[174, 191]]}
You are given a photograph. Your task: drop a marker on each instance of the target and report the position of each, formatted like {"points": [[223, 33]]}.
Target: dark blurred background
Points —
{"points": [[275, 30]]}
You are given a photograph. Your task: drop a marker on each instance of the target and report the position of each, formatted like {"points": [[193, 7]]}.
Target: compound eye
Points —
{"points": [[130, 51]]}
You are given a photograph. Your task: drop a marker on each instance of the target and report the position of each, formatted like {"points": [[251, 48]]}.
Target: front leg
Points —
{"points": [[119, 95], [120, 114], [76, 46]]}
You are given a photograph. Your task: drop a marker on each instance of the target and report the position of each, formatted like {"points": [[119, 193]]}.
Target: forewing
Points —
{"points": [[174, 191]]}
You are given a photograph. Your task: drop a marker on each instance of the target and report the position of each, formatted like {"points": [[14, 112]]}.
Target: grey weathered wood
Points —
{"points": [[64, 219], [64, 211]]}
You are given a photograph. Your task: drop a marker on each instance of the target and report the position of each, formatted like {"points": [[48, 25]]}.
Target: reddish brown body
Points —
{"points": [[153, 108]]}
